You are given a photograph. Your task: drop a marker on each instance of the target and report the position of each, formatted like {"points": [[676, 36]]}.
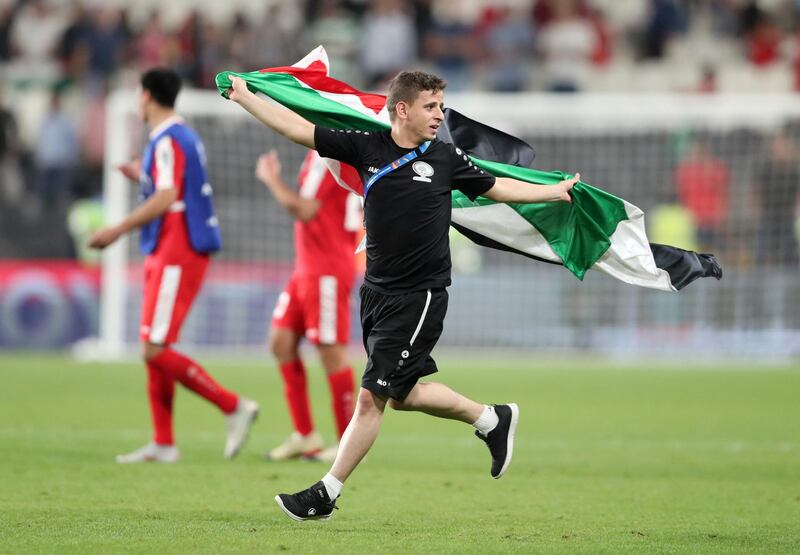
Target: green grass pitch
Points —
{"points": [[610, 458]]}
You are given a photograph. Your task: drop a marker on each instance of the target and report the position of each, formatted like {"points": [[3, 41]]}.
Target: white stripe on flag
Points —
{"points": [[503, 224], [422, 318], [327, 310], [629, 258], [167, 293]]}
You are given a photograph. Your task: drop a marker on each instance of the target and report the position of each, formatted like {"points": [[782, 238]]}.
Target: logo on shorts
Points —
{"points": [[405, 354], [384, 383], [423, 170]]}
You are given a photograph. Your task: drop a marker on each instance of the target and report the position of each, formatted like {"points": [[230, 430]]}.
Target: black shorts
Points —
{"points": [[400, 331]]}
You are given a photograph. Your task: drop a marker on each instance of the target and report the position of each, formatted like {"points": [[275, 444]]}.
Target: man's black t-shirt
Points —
{"points": [[407, 211]]}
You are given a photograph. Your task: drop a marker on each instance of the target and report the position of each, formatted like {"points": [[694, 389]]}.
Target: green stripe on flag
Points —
{"points": [[579, 233], [287, 90]]}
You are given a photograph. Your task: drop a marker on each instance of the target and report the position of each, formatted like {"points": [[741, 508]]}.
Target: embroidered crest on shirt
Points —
{"points": [[423, 170]]}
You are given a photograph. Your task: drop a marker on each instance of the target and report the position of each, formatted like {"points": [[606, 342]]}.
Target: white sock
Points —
{"points": [[332, 486], [487, 421]]}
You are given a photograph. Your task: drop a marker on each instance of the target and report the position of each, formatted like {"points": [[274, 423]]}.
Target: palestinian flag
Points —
{"points": [[597, 230]]}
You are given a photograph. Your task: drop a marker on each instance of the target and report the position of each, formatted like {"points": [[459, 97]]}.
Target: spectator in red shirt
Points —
{"points": [[702, 182]]}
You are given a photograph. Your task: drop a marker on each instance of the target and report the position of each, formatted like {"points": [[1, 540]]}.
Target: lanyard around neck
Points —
{"points": [[400, 162]]}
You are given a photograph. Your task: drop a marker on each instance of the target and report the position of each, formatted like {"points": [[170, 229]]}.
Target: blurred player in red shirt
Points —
{"points": [[315, 303], [178, 231]]}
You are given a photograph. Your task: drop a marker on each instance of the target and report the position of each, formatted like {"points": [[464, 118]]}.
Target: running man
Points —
{"points": [[408, 177], [178, 232], [316, 301]]}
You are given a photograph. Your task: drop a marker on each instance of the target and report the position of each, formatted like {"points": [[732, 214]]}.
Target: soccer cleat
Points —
{"points": [[151, 453], [327, 455], [295, 446], [310, 504], [238, 426], [501, 439]]}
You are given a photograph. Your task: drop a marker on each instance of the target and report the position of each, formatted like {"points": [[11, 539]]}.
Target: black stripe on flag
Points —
{"points": [[685, 266]]}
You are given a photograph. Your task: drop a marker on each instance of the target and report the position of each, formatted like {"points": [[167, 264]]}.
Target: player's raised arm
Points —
{"points": [[507, 189], [283, 121], [268, 171]]}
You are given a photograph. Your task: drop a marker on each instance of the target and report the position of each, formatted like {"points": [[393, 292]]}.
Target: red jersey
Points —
{"points": [[325, 245], [703, 188]]}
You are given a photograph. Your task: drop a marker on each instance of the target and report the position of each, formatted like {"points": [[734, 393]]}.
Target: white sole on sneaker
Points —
{"points": [[512, 430], [252, 417], [291, 515]]}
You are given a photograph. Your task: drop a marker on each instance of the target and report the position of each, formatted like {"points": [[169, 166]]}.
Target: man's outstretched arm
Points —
{"points": [[283, 121], [506, 189], [152, 208]]}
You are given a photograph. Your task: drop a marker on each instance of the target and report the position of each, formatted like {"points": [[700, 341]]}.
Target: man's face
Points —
{"points": [[425, 115]]}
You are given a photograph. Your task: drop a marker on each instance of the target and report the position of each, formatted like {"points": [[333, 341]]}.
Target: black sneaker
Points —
{"points": [[501, 440], [310, 504]]}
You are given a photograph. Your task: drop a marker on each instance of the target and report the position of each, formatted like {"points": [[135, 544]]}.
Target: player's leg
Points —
{"points": [[341, 381], [332, 318], [285, 335], [177, 289], [160, 384], [304, 440]]}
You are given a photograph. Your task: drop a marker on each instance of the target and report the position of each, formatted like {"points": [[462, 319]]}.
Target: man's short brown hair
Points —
{"points": [[406, 86]]}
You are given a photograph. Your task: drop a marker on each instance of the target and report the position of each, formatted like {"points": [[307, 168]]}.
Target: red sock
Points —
{"points": [[342, 385], [160, 390], [192, 376], [295, 390]]}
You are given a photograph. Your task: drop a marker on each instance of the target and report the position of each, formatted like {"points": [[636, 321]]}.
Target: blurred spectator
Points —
{"points": [[152, 43], [509, 48], [271, 43], [238, 41], [188, 46], [763, 42], [93, 137], [708, 80], [73, 46], [663, 22], [750, 13], [544, 11], [57, 155], [11, 181], [107, 39], [603, 45], [566, 44], [776, 183], [35, 33], [339, 31], [450, 43], [388, 40], [212, 54], [7, 12], [702, 182]]}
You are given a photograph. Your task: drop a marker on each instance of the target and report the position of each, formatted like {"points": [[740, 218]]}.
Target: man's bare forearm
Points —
{"points": [[507, 189], [282, 121], [148, 210]]}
